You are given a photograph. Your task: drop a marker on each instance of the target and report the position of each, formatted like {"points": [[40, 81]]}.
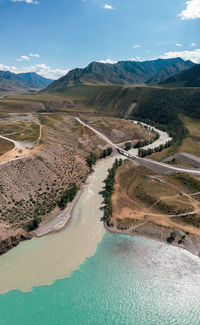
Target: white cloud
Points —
{"points": [[34, 55], [191, 11], [23, 58], [137, 58], [35, 2], [193, 44], [42, 69], [185, 55], [108, 60], [136, 46], [178, 44], [106, 6]]}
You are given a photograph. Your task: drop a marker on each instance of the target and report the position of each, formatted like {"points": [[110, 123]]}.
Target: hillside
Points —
{"points": [[187, 78], [151, 104], [23, 81], [122, 73]]}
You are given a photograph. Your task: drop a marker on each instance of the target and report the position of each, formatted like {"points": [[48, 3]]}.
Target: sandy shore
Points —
{"points": [[60, 221]]}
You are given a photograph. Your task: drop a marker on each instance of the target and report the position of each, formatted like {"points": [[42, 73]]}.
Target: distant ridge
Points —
{"points": [[187, 78], [122, 73], [22, 81]]}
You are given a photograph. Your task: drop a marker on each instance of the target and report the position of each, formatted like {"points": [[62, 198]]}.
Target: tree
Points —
{"points": [[106, 152], [109, 188], [91, 160], [33, 224], [127, 146], [68, 196]]}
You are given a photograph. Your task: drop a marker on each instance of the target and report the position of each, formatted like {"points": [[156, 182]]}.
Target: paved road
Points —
{"points": [[134, 156]]}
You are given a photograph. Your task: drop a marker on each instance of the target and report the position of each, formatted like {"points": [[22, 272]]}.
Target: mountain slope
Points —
{"points": [[34, 80], [187, 78], [23, 81], [123, 73]]}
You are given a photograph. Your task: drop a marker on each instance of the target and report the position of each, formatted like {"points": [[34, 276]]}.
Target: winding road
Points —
{"points": [[135, 156]]}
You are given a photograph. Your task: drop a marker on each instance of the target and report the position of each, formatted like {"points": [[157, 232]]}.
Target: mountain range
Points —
{"points": [[22, 81], [165, 72], [123, 73], [187, 78]]}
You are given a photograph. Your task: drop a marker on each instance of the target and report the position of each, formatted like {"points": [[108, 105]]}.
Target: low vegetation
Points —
{"points": [[190, 182]]}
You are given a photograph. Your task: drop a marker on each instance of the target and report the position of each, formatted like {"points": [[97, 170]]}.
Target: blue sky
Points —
{"points": [[51, 37]]}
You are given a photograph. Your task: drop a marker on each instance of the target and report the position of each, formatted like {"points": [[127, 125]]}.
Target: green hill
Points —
{"points": [[22, 81], [121, 73], [187, 78], [154, 105]]}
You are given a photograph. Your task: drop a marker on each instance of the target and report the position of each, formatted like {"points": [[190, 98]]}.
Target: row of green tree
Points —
{"points": [[109, 188], [92, 158], [146, 152], [106, 152], [68, 196], [144, 143]]}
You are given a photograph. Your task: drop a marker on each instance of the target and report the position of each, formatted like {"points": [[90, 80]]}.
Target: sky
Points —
{"points": [[52, 37]]}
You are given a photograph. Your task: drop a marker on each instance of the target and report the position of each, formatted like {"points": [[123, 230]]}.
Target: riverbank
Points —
{"points": [[154, 206], [11, 238], [45, 259], [159, 234], [60, 221]]}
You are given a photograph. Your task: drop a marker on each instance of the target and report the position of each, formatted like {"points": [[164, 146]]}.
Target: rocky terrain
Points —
{"points": [[32, 186]]}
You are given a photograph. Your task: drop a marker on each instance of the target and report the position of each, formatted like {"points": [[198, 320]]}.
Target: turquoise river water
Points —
{"points": [[86, 276], [128, 280]]}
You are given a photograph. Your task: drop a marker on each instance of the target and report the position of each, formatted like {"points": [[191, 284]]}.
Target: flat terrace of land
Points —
{"points": [[119, 130], [155, 205], [19, 133], [43, 103], [5, 146]]}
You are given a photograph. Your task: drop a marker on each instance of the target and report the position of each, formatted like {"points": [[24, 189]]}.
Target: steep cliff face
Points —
{"points": [[11, 239]]}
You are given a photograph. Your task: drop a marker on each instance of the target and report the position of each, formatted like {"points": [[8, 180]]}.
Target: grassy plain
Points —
{"points": [[118, 130], [5, 146], [21, 131]]}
